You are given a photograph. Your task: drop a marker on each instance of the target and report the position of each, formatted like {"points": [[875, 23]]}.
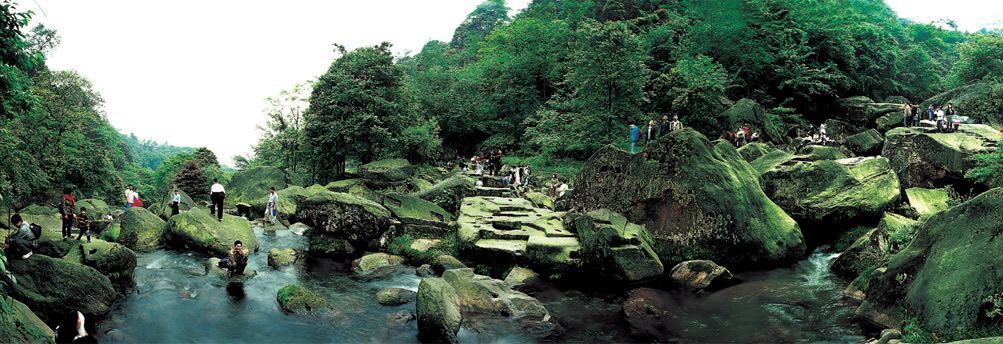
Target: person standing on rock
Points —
{"points": [[676, 124], [217, 195], [914, 109], [635, 134], [176, 203], [235, 260], [940, 120], [664, 127], [66, 210], [272, 209], [652, 134], [906, 115], [84, 224], [931, 112]]}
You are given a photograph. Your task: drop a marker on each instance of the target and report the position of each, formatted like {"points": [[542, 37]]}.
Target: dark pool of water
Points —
{"points": [[175, 302]]}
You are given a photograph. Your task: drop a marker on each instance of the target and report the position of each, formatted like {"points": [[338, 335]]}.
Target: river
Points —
{"points": [[175, 302]]}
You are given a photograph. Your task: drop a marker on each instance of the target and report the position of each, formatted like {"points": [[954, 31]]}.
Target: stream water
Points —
{"points": [[174, 301]]}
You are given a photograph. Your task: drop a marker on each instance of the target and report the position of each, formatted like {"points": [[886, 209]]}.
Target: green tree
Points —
{"points": [[282, 143], [192, 181], [355, 110], [697, 87], [980, 58]]}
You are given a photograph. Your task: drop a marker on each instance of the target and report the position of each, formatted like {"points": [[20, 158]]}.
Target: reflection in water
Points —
{"points": [[174, 301]]}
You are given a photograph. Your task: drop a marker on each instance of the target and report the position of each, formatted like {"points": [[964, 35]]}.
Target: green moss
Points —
{"points": [[771, 160], [297, 299], [847, 238], [409, 207], [617, 248], [540, 200], [404, 246], [448, 192], [251, 184], [343, 185], [18, 324], [866, 143], [115, 261], [932, 160], [281, 257], [386, 172], [755, 150], [95, 208], [928, 202], [53, 286], [197, 229], [821, 153], [140, 230]]}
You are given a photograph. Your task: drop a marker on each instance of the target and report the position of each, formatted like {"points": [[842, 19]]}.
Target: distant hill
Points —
{"points": [[149, 153]]}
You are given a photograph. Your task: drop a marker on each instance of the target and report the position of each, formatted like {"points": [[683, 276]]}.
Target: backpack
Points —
{"points": [[36, 230]]}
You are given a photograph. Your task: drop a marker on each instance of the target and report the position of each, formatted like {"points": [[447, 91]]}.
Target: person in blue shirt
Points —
{"points": [[635, 134]]}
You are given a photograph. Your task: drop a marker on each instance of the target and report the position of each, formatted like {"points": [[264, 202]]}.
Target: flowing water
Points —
{"points": [[175, 302]]}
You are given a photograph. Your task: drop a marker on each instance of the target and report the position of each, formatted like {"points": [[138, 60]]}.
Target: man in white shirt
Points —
{"points": [[216, 196]]}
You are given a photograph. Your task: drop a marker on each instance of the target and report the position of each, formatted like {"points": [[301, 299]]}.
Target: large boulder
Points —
{"points": [[867, 143], [928, 202], [278, 258], [700, 275], [251, 184], [322, 245], [838, 130], [924, 158], [862, 111], [18, 324], [699, 201], [755, 150], [449, 192], [47, 217], [140, 229], [288, 203], [344, 216], [53, 287], [615, 248], [162, 207], [461, 297], [115, 261], [395, 296], [872, 249], [295, 298], [832, 192], [511, 231], [649, 314], [948, 277], [199, 230], [748, 112], [387, 172], [977, 100], [419, 217], [376, 263], [97, 210], [770, 160], [816, 152]]}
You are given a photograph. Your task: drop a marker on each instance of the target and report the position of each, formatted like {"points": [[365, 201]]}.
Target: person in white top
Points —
{"points": [[217, 195], [272, 210], [130, 196], [176, 203]]}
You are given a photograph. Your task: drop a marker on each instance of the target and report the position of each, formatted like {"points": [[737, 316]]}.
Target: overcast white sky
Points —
{"points": [[196, 73]]}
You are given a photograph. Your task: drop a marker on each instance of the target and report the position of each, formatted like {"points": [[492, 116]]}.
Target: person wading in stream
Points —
{"points": [[236, 260], [217, 195]]}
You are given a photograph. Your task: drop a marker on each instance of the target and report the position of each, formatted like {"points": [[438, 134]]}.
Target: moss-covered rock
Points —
{"points": [[199, 230], [115, 261], [889, 121], [446, 262], [700, 274], [615, 248], [96, 211], [872, 249], [815, 152], [420, 217], [344, 216], [326, 246], [922, 158], [288, 203], [755, 150], [162, 207], [976, 100], [862, 111], [927, 202], [278, 258], [833, 191], [140, 229], [770, 160], [386, 172], [298, 299], [344, 185], [376, 263], [649, 313], [698, 200], [449, 192], [251, 184], [18, 324], [395, 296], [53, 287], [438, 311], [47, 217], [540, 200], [949, 275], [838, 130], [867, 143], [748, 112]]}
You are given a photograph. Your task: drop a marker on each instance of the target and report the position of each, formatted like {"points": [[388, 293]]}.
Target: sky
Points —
{"points": [[196, 73]]}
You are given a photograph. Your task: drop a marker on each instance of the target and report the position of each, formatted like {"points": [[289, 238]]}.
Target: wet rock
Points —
{"points": [[376, 264], [700, 275], [425, 270], [833, 191], [115, 261], [523, 279], [278, 258], [400, 317], [297, 299], [395, 296], [924, 158], [53, 286], [252, 184], [140, 229], [18, 324], [946, 276], [461, 296], [512, 231], [323, 245], [615, 248], [212, 268], [386, 172], [198, 230], [733, 223], [419, 217], [344, 216], [299, 228], [872, 249], [866, 143], [446, 262], [648, 314], [927, 202]]}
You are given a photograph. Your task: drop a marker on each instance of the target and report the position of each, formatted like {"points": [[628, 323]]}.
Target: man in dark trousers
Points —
{"points": [[66, 210], [216, 196]]}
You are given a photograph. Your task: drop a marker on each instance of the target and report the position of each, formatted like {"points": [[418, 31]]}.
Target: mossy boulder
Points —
{"points": [[833, 191], [948, 276], [615, 248], [976, 100], [395, 296], [344, 216], [201, 231], [140, 229], [386, 172], [420, 217], [923, 158], [298, 299], [816, 152], [251, 184], [52, 287], [45, 216], [18, 324], [770, 160], [928, 202], [540, 200], [278, 258], [449, 192], [838, 130], [867, 143], [326, 246], [162, 207], [344, 185], [115, 261], [862, 111], [376, 263], [872, 249], [697, 199], [96, 211], [749, 112], [288, 203], [438, 311], [755, 150]]}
